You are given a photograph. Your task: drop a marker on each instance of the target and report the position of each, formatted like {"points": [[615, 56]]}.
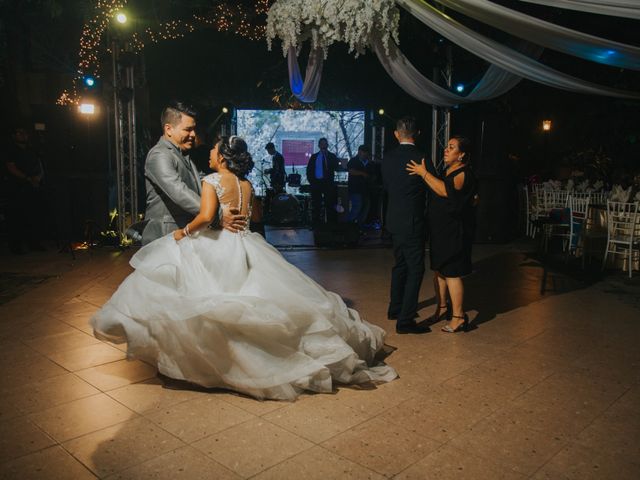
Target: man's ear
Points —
{"points": [[396, 134], [167, 129]]}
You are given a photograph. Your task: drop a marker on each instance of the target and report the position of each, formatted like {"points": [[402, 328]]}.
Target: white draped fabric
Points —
{"points": [[305, 90], [613, 8], [494, 83], [508, 66], [504, 57], [572, 42]]}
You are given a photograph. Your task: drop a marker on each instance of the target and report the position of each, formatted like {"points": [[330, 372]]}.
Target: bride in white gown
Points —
{"points": [[224, 309]]}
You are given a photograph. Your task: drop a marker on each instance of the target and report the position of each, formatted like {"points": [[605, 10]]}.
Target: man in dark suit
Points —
{"points": [[277, 172], [321, 170], [406, 222]]}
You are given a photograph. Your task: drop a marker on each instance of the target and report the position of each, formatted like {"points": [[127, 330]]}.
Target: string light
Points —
{"points": [[226, 17]]}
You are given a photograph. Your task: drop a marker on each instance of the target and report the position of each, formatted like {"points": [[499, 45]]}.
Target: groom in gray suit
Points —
{"points": [[172, 179]]}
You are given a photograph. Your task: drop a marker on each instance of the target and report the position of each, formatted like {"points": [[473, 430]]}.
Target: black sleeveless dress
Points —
{"points": [[452, 226]]}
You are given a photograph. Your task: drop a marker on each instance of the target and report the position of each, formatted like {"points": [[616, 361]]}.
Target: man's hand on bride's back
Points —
{"points": [[233, 221]]}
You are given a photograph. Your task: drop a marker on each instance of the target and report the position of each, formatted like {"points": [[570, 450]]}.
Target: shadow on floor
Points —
{"points": [[510, 280]]}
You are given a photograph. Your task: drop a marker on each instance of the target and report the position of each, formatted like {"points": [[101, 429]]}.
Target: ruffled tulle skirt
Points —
{"points": [[227, 310]]}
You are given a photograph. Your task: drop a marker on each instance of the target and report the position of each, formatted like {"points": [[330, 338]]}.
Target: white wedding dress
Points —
{"points": [[223, 309]]}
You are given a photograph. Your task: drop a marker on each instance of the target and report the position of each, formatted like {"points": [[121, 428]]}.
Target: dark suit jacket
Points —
{"points": [[173, 190], [330, 166], [406, 209], [277, 174]]}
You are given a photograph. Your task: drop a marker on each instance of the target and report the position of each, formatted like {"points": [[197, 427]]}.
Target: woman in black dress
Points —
{"points": [[451, 228]]}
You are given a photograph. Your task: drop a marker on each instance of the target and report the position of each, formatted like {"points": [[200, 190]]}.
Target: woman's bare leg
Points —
{"points": [[440, 289], [456, 293]]}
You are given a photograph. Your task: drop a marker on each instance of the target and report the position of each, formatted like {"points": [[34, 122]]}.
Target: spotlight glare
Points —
{"points": [[546, 125], [121, 18], [87, 108], [460, 88], [89, 81], [381, 111], [225, 110]]}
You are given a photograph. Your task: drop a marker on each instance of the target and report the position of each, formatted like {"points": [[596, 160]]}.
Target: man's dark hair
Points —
{"points": [[270, 146], [323, 139], [407, 127], [172, 113], [364, 148]]}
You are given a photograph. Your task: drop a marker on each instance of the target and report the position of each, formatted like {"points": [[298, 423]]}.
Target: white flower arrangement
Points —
{"points": [[324, 22], [570, 185], [583, 186], [619, 194]]}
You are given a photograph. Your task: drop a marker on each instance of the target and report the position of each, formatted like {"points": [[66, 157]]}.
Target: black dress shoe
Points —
{"points": [[412, 327]]}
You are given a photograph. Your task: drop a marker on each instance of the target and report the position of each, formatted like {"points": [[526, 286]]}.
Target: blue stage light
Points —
{"points": [[89, 81], [460, 88]]}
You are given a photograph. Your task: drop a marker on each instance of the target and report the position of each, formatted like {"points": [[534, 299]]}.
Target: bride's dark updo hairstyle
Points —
{"points": [[235, 153]]}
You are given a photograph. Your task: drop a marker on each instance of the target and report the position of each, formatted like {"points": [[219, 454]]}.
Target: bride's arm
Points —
{"points": [[208, 210]]}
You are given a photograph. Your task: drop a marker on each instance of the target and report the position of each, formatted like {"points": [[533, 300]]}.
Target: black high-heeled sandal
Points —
{"points": [[463, 327], [446, 315]]}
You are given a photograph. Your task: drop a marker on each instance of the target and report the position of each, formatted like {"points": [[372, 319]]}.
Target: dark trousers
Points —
{"points": [[24, 214], [323, 195], [406, 276]]}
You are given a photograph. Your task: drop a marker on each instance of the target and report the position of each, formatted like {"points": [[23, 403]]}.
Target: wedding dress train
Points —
{"points": [[223, 309]]}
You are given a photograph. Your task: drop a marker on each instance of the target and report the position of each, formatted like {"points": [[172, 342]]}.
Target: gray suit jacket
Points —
{"points": [[173, 190]]}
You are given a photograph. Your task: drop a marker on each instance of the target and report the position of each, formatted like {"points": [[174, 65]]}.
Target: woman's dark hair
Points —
{"points": [[235, 152], [464, 145]]}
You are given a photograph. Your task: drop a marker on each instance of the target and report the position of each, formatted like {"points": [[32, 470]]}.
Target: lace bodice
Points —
{"points": [[232, 193]]}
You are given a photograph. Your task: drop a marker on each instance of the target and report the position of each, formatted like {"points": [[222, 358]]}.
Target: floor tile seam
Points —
{"points": [[366, 467], [93, 432], [145, 413], [60, 375], [558, 373], [201, 450], [75, 400], [65, 450], [96, 474], [495, 464], [40, 380], [509, 468], [53, 440], [402, 427], [284, 404], [218, 432], [131, 467], [549, 460], [64, 333], [86, 368], [272, 466], [115, 361], [530, 388], [602, 414]]}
